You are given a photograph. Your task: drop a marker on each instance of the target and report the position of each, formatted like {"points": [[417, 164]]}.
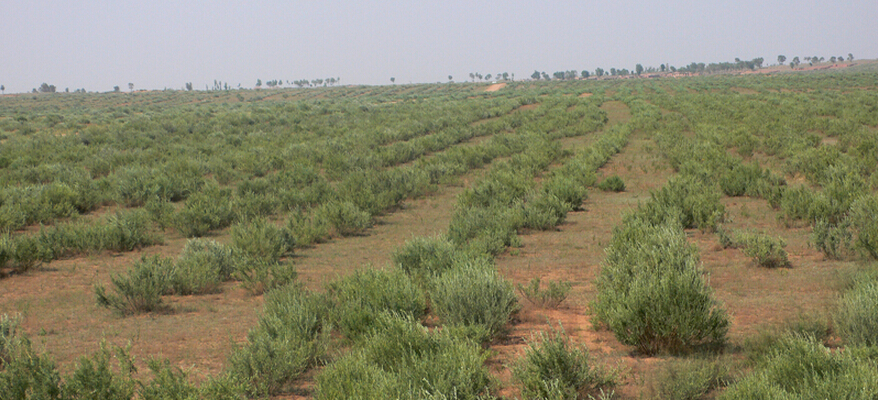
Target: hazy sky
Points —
{"points": [[157, 44]]}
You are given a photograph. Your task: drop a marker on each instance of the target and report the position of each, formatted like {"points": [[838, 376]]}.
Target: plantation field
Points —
{"points": [[701, 237]]}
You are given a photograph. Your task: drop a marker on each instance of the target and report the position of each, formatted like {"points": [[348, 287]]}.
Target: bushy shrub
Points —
{"points": [[553, 364], [24, 374], [251, 205], [767, 251], [258, 276], [360, 297], [260, 239], [566, 189], [550, 297], [291, 337], [834, 240], [126, 231], [482, 230], [543, 211], [95, 378], [801, 367], [424, 258], [204, 211], [202, 266], [612, 183], [686, 198], [403, 360], [474, 294], [306, 229], [689, 379], [863, 219], [651, 292], [343, 218], [168, 383], [856, 319], [141, 289]]}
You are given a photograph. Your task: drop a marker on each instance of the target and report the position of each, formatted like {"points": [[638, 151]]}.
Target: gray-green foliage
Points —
{"points": [[202, 266], [260, 239], [765, 250], [424, 258], [689, 378], [800, 367], [473, 293], [141, 289], [291, 337], [651, 292], [856, 319], [864, 222], [205, 211], [553, 365], [362, 296], [687, 198], [343, 218], [403, 360]]}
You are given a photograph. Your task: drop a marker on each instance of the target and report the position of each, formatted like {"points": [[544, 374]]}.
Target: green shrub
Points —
{"points": [[550, 297], [687, 199], [856, 319], [403, 360], [552, 367], [689, 379], [474, 294], [485, 230], [543, 211], [566, 189], [126, 231], [424, 258], [343, 218], [863, 222], [258, 276], [25, 374], [612, 183], [202, 266], [141, 289], [834, 240], [306, 229], [205, 211], [262, 240], [291, 337], [651, 292], [360, 297], [250, 205], [95, 378], [802, 368], [168, 383], [765, 250], [9, 339]]}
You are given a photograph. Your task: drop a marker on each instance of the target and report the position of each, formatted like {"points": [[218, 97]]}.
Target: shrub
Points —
{"points": [[94, 378], [834, 240], [202, 266], [168, 383], [693, 203], [552, 365], [612, 183], [484, 230], [403, 360], [566, 189], [474, 294], [689, 379], [343, 218], [550, 297], [141, 289], [543, 211], [126, 231], [651, 293], [424, 258], [360, 297], [25, 374], [801, 367], [856, 319], [291, 337], [767, 251], [306, 229], [863, 222], [204, 211], [262, 240], [259, 276]]}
